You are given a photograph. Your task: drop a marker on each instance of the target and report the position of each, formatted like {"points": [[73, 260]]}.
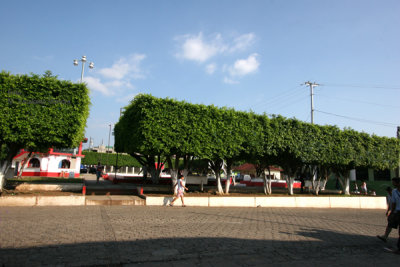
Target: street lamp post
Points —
{"points": [[83, 60]]}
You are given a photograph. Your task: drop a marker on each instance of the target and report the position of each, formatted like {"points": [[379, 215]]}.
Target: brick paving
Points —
{"points": [[191, 236]]}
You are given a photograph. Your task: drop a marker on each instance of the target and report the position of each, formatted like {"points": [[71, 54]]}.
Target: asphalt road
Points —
{"points": [[192, 236]]}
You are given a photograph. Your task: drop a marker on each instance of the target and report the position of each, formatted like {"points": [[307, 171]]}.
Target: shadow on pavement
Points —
{"points": [[320, 250]]}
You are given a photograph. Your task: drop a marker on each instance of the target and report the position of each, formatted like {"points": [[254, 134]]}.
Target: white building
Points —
{"points": [[55, 163]]}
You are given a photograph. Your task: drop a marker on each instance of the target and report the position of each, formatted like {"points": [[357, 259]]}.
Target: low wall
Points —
{"points": [[280, 202]]}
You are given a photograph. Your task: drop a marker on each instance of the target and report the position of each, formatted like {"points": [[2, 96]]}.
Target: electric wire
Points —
{"points": [[284, 95], [386, 124], [358, 101], [361, 86]]}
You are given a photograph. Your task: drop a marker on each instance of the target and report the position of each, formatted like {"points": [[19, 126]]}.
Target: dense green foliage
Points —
{"points": [[160, 128], [92, 158], [38, 112]]}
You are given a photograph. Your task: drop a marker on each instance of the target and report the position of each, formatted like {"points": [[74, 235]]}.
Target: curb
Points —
{"points": [[9, 201], [277, 202], [142, 200]]}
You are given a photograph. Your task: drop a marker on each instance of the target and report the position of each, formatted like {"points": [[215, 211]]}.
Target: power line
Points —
{"points": [[364, 102], [361, 86], [284, 96], [387, 124]]}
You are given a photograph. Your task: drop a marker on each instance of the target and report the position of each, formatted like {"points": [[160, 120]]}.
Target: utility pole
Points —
{"points": [[398, 137], [312, 85]]}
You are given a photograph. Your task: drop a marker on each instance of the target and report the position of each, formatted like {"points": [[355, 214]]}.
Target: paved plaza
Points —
{"points": [[191, 236]]}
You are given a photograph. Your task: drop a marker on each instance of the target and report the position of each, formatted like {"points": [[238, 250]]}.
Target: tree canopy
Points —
{"points": [[152, 127]]}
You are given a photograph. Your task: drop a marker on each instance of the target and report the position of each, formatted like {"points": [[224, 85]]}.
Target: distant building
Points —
{"points": [[102, 149]]}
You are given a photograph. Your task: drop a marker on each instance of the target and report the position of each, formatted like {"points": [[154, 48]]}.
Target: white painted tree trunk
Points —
{"points": [[323, 185], [269, 187], [265, 184], [317, 186], [289, 182], [218, 179], [345, 183], [219, 186], [228, 173], [3, 171], [174, 179]]}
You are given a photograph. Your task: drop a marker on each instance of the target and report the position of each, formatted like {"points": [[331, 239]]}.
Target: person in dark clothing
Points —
{"points": [[99, 171]]}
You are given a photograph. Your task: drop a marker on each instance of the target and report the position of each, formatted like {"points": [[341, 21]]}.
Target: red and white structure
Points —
{"points": [[64, 163]]}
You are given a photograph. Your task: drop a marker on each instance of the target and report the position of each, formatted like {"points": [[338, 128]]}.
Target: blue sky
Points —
{"points": [[249, 55]]}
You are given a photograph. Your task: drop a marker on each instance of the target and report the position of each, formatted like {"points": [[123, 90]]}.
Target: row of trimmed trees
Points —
{"points": [[155, 130]]}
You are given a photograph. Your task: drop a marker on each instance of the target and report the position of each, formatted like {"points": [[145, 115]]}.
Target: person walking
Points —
{"points": [[99, 171], [388, 209], [181, 190], [394, 212], [396, 208]]}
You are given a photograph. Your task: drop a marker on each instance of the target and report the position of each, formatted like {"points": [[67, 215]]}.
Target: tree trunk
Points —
{"points": [[228, 168], [216, 167], [345, 183], [219, 186], [317, 187], [174, 171], [269, 187], [6, 164], [265, 184], [24, 163], [289, 183], [174, 180]]}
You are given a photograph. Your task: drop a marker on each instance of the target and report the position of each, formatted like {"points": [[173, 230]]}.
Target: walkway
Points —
{"points": [[191, 236]]}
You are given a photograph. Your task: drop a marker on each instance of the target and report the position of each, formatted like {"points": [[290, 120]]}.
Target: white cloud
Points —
{"points": [[242, 42], [200, 49], [195, 48], [116, 79], [126, 99], [243, 67], [211, 68], [230, 81], [125, 67], [119, 83], [96, 85]]}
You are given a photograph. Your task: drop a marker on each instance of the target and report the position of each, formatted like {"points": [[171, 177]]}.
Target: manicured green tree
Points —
{"points": [[143, 135], [39, 112], [258, 148]]}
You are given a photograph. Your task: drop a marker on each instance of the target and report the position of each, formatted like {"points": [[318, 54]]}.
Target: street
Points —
{"points": [[192, 236]]}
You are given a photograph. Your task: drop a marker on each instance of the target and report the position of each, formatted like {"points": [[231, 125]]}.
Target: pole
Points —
{"points": [[398, 137], [312, 85], [83, 69]]}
